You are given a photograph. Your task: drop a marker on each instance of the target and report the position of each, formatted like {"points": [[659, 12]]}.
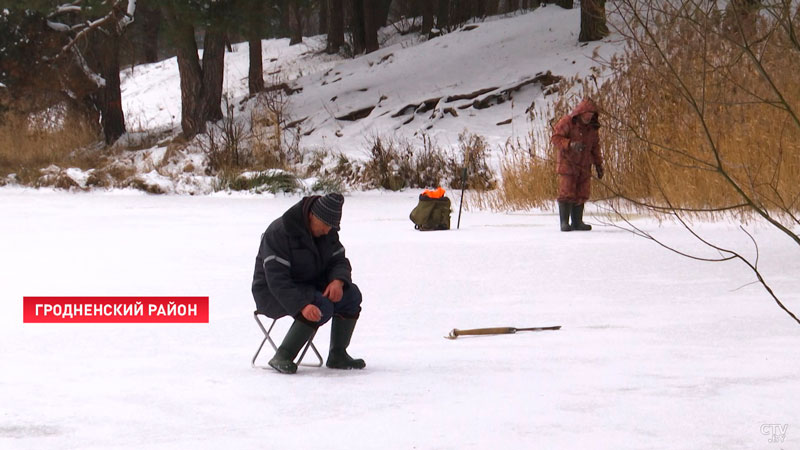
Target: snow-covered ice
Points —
{"points": [[656, 351]]}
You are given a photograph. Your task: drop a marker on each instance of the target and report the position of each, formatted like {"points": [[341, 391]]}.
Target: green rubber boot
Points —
{"points": [[341, 332], [577, 219], [564, 210], [297, 336]]}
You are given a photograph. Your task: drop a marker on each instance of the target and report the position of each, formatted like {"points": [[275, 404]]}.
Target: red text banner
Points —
{"points": [[115, 309]]}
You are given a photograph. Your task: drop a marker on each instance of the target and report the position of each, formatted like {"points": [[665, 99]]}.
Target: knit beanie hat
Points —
{"points": [[328, 209]]}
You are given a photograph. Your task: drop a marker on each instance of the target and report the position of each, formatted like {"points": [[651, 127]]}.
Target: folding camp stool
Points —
{"points": [[267, 337]]}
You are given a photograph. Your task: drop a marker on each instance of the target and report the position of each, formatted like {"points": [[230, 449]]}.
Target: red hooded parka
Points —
{"points": [[575, 166]]}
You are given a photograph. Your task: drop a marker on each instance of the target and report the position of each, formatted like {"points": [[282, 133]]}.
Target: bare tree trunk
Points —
{"points": [[492, 7], [284, 28], [474, 8], [357, 27], [566, 4], [213, 70], [412, 8], [371, 25], [427, 17], [512, 5], [455, 11], [335, 25], [443, 15], [113, 118], [295, 23], [192, 121], [461, 11], [255, 77], [480, 10], [108, 100], [593, 20], [150, 21], [254, 30], [323, 17], [383, 8], [364, 26]]}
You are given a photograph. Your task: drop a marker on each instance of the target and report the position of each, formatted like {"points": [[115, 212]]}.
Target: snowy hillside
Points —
{"points": [[483, 78], [476, 78]]}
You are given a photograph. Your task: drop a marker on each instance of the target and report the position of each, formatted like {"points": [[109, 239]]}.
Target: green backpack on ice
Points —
{"points": [[431, 213]]}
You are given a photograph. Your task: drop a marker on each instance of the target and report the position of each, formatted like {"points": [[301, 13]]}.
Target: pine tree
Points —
{"points": [[335, 25], [593, 20], [201, 84], [443, 15], [492, 6], [52, 53], [364, 26], [427, 16], [144, 31], [180, 22], [383, 8], [566, 4]]}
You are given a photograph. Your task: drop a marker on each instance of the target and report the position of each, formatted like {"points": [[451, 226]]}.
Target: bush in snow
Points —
{"points": [[272, 181], [225, 142], [389, 165], [396, 164], [473, 151]]}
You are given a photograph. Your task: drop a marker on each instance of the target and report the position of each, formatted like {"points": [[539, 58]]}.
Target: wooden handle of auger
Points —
{"points": [[482, 331]]}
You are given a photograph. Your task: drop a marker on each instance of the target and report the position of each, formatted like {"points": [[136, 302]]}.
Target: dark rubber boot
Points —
{"points": [[341, 332], [577, 219], [297, 336], [564, 210]]}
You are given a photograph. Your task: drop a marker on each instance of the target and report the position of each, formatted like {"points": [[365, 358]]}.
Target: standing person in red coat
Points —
{"points": [[578, 144]]}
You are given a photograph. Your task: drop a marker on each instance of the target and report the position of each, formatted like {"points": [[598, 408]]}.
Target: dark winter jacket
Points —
{"points": [[292, 264], [571, 129]]}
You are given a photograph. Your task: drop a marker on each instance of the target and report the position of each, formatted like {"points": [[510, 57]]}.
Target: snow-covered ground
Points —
{"points": [[656, 351]]}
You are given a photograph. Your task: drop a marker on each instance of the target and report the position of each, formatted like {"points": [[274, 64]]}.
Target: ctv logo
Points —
{"points": [[776, 432]]}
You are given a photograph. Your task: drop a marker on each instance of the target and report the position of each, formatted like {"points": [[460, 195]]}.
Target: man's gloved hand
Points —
{"points": [[576, 146], [600, 172]]}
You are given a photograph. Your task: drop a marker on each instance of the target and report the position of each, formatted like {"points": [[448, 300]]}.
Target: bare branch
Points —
{"points": [[644, 234], [115, 14], [699, 80], [731, 254], [670, 208], [84, 66], [67, 8], [58, 26]]}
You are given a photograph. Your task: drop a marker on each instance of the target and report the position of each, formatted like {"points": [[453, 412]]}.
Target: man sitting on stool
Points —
{"points": [[302, 271]]}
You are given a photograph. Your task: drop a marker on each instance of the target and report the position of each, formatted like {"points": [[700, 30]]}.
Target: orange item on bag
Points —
{"points": [[438, 193]]}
